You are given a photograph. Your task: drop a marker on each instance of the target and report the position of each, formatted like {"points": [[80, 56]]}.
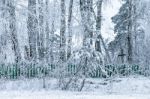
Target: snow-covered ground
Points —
{"points": [[66, 95], [116, 88]]}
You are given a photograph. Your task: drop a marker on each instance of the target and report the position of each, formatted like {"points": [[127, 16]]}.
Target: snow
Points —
{"points": [[110, 10], [66, 95], [115, 88]]}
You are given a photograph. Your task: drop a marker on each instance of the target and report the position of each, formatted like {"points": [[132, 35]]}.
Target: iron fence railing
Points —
{"points": [[12, 71]]}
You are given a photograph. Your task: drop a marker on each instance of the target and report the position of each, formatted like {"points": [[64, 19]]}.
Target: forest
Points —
{"points": [[73, 45]]}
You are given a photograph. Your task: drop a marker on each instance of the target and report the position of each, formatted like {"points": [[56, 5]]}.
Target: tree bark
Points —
{"points": [[70, 29], [47, 31], [63, 32], [86, 9], [32, 25], [13, 31], [98, 24], [98, 29], [40, 38], [4, 35], [129, 37]]}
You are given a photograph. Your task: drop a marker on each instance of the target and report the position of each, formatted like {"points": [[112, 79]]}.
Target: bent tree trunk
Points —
{"points": [[98, 29]]}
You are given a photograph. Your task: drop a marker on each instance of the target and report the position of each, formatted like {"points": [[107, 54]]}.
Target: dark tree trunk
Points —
{"points": [[70, 29], [98, 25], [86, 9], [100, 39], [13, 31], [129, 37], [32, 25], [41, 33], [63, 31], [47, 30]]}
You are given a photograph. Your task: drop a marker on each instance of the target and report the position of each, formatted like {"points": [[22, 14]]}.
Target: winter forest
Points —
{"points": [[74, 49]]}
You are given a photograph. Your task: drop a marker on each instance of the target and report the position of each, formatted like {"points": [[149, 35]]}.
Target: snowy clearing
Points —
{"points": [[120, 88], [66, 95]]}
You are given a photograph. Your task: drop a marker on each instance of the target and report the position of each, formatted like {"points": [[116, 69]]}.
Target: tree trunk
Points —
{"points": [[98, 29], [98, 25], [83, 19], [47, 30], [62, 32], [13, 31], [32, 25], [40, 38], [90, 20], [105, 48], [70, 29], [4, 35], [51, 38], [86, 9], [129, 37]]}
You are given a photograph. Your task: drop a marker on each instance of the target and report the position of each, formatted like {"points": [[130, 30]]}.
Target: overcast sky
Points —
{"points": [[109, 11]]}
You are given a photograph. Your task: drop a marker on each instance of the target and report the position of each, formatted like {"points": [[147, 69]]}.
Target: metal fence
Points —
{"points": [[12, 71]]}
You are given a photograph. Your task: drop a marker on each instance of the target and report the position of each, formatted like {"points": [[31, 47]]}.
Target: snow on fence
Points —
{"points": [[12, 71]]}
